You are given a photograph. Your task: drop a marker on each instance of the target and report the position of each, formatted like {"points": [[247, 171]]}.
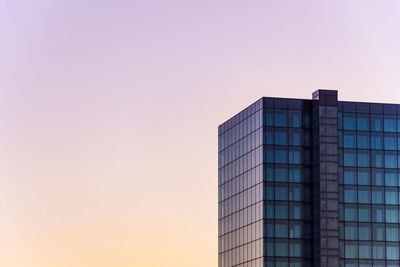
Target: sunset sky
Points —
{"points": [[109, 113]]}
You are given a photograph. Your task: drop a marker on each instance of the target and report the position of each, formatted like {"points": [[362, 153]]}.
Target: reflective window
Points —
{"points": [[389, 123], [376, 123], [362, 122], [349, 121], [294, 118], [280, 118]]}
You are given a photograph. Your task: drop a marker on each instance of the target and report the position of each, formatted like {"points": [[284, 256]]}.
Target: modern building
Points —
{"points": [[311, 183]]}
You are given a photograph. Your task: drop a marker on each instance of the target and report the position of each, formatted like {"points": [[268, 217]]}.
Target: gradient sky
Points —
{"points": [[109, 113]]}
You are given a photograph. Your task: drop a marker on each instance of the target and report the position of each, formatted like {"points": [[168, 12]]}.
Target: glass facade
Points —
{"points": [[369, 184], [310, 183]]}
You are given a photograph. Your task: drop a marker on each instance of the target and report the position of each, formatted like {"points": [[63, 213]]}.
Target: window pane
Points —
{"points": [[363, 158], [391, 214], [392, 232], [349, 176], [281, 155], [377, 158], [281, 173], [363, 140], [281, 229], [362, 122], [391, 196], [349, 158], [281, 192], [391, 178], [280, 118], [363, 195], [377, 195], [376, 123], [390, 159], [364, 232], [350, 195], [390, 141], [363, 176], [349, 139], [389, 123], [294, 118], [376, 140], [350, 231], [280, 137], [294, 137], [349, 121]]}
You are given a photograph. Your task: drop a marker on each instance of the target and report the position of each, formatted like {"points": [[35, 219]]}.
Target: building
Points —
{"points": [[311, 183]]}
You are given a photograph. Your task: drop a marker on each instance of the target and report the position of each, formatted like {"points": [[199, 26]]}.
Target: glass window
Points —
{"points": [[281, 248], [362, 122], [295, 230], [281, 173], [364, 213], [295, 174], [349, 121], [281, 192], [377, 195], [377, 158], [295, 211], [363, 176], [378, 252], [280, 137], [363, 158], [363, 140], [295, 156], [281, 155], [294, 137], [377, 213], [269, 211], [269, 155], [349, 176], [281, 211], [294, 118], [349, 157], [378, 232], [281, 229], [295, 192], [376, 123], [269, 136], [364, 231], [377, 177], [295, 249], [269, 173], [269, 117], [269, 229], [363, 195], [350, 195], [390, 159], [364, 250], [390, 141], [280, 118], [349, 139], [391, 178], [307, 140], [351, 250], [269, 192], [350, 231], [391, 196], [392, 232], [389, 122], [376, 140], [350, 213], [392, 251], [391, 215]]}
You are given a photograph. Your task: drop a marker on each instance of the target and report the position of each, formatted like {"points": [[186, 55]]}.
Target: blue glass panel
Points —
{"points": [[281, 155], [363, 158], [377, 195], [389, 123], [376, 140], [391, 178], [349, 121], [294, 137], [376, 123], [281, 211], [349, 139], [281, 192], [350, 195], [377, 159], [391, 196], [280, 118], [294, 118], [295, 156], [269, 117], [349, 158], [390, 159], [281, 173], [269, 136], [280, 137], [363, 140], [363, 195], [390, 142], [377, 177], [349, 176], [362, 122], [363, 176], [281, 229], [391, 215]]}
